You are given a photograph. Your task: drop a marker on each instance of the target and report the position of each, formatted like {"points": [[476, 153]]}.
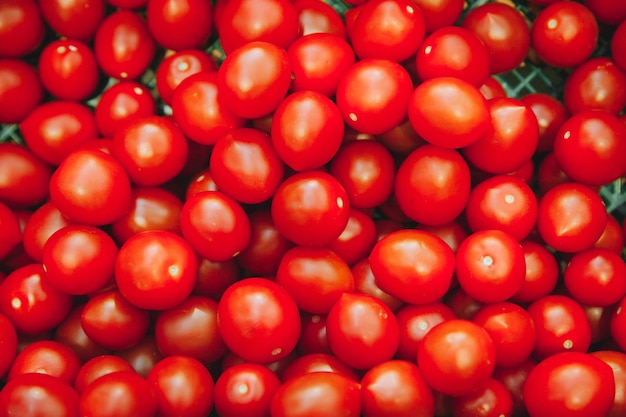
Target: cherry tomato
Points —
{"points": [[550, 113], [617, 323], [23, 177], [75, 19], [177, 66], [46, 357], [319, 17], [35, 394], [597, 84], [617, 361], [357, 239], [120, 394], [618, 41], [415, 322], [180, 24], [120, 103], [541, 272], [258, 313], [493, 399], [440, 13], [570, 384], [20, 90], [70, 332], [607, 11], [8, 347], [456, 357], [21, 28], [12, 233], [317, 362]]}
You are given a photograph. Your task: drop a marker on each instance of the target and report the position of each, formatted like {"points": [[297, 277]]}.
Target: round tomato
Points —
{"points": [[120, 103], [74, 19], [35, 394], [180, 24], [119, 394], [20, 90]]}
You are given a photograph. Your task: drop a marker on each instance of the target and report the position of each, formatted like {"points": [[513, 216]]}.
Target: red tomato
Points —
{"points": [[46, 357], [317, 362], [413, 265], [43, 222], [415, 321], [362, 331], [119, 394], [310, 208], [373, 94], [254, 78], [571, 217], [617, 361], [570, 384], [91, 187], [618, 320], [317, 394], [20, 90], [440, 13], [357, 239], [156, 269], [564, 34], [21, 28], [97, 367], [214, 277], [34, 394], [70, 332], [319, 17], [541, 272], [550, 113], [561, 325], [120, 103], [432, 185], [215, 225], [618, 46], [12, 233], [453, 51], [388, 29], [313, 338], [612, 238], [177, 66], [607, 11], [457, 114], [75, 19], [8, 347], [493, 400], [23, 177], [456, 357], [504, 31], [180, 24], [182, 386], [258, 313], [597, 84], [245, 389]]}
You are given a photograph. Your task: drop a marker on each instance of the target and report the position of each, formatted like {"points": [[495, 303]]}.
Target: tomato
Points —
{"points": [[12, 234], [366, 170], [396, 388], [505, 203], [79, 259], [177, 66], [97, 367], [412, 265], [315, 278], [156, 269], [357, 239], [313, 338], [31, 302], [387, 29], [215, 225], [561, 325], [564, 34], [142, 356], [70, 332], [612, 238], [570, 384], [415, 322], [440, 13], [123, 45], [511, 329], [606, 11], [258, 312], [113, 322], [492, 88], [456, 357], [550, 113], [180, 24], [571, 217], [23, 177], [432, 185], [254, 79], [318, 61], [457, 114], [601, 138], [617, 361], [453, 51], [21, 28], [513, 378], [46, 357], [310, 208], [503, 30], [182, 386], [597, 84], [617, 323], [541, 273], [128, 4], [492, 400], [34, 394], [43, 222], [245, 389], [76, 19], [151, 208], [362, 331], [618, 41], [319, 17], [91, 187], [596, 277], [372, 95], [120, 394], [511, 141], [317, 362], [190, 329], [244, 21], [56, 128], [120, 103], [319, 394], [549, 174], [20, 90], [8, 347]]}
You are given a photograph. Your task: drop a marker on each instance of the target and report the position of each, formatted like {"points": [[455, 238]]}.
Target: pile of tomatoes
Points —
{"points": [[306, 208]]}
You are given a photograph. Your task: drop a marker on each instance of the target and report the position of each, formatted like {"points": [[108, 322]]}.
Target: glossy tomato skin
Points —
{"points": [[432, 185], [35, 394], [42, 223], [570, 384], [11, 230], [541, 275], [440, 13], [258, 312], [177, 66], [357, 239], [617, 323], [24, 176], [494, 399], [76, 19], [617, 361], [319, 17], [362, 331], [46, 357], [120, 103], [70, 332], [415, 322], [597, 84], [31, 302], [121, 394], [618, 41], [21, 90], [215, 225], [317, 362], [156, 270], [318, 393], [442, 357], [23, 35], [179, 25], [245, 389], [388, 29], [97, 367], [182, 386], [564, 34], [600, 137], [413, 265], [365, 283], [571, 217], [310, 208], [8, 347], [550, 113], [90, 187]]}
